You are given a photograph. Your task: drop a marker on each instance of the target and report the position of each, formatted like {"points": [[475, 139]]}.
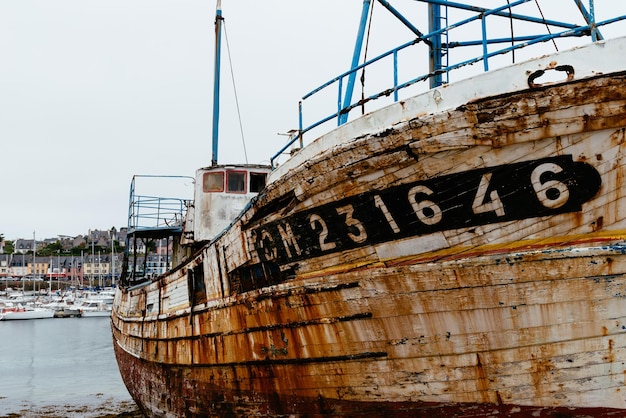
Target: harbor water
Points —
{"points": [[61, 367]]}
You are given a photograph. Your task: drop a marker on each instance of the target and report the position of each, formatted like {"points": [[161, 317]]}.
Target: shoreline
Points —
{"points": [[121, 409]]}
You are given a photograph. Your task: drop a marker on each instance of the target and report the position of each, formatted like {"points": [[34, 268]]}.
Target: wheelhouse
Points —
{"points": [[221, 193]]}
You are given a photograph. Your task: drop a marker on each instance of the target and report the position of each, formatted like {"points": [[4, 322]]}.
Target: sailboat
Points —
{"points": [[11, 311], [458, 252]]}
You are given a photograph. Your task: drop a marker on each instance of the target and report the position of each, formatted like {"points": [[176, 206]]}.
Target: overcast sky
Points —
{"points": [[95, 91]]}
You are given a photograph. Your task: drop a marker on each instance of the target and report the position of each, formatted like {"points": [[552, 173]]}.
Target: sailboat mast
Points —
{"points": [[216, 80]]}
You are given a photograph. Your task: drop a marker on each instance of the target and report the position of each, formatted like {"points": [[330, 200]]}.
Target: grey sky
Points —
{"points": [[94, 91]]}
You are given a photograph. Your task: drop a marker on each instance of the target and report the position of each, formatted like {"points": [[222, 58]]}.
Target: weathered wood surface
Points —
{"points": [[518, 315], [448, 334]]}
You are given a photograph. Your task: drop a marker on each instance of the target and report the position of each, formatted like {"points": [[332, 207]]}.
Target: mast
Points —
{"points": [[112, 260], [92, 276], [355, 60], [216, 79], [435, 62], [34, 256], [50, 279]]}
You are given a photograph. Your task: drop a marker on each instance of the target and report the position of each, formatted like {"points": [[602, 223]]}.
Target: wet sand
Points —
{"points": [[124, 409]]}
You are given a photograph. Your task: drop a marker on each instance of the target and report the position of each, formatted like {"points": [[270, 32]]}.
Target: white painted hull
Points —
{"points": [[36, 313]]}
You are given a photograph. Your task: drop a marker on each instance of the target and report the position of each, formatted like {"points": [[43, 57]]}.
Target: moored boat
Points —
{"points": [[62, 308], [20, 312], [459, 252], [91, 308]]}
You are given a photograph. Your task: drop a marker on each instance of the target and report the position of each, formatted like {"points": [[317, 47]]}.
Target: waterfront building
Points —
{"points": [[4, 265], [100, 262], [23, 246]]}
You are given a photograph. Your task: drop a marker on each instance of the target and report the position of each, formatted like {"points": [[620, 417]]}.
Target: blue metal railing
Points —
{"points": [[345, 104], [152, 213]]}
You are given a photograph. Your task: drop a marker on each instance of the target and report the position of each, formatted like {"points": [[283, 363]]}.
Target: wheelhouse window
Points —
{"points": [[213, 182], [235, 181], [257, 182]]}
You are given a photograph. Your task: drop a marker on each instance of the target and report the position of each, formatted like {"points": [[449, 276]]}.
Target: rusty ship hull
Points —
{"points": [[460, 253]]}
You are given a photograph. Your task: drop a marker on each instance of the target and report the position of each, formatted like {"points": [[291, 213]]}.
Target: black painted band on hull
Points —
{"points": [[522, 190]]}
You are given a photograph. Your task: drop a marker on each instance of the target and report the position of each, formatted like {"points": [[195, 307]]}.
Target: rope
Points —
{"points": [[367, 42], [512, 35], [544, 21], [232, 77]]}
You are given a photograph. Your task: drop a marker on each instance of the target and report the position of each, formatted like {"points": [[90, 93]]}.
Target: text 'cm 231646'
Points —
{"points": [[528, 189]]}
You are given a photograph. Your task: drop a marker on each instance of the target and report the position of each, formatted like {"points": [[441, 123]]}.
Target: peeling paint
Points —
{"points": [[361, 294]]}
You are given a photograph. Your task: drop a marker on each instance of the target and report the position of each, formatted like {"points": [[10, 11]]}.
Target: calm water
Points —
{"points": [[60, 367]]}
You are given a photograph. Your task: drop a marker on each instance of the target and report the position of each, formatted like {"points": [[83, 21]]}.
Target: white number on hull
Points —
{"points": [[378, 201], [314, 220], [551, 193], [494, 205], [426, 210], [350, 221]]}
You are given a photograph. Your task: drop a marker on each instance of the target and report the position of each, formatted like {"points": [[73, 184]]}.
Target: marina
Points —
{"points": [[455, 251], [73, 303], [60, 368], [432, 222]]}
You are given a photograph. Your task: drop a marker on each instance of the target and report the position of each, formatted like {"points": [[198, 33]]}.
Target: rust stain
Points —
{"points": [[610, 355], [488, 324], [482, 380]]}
